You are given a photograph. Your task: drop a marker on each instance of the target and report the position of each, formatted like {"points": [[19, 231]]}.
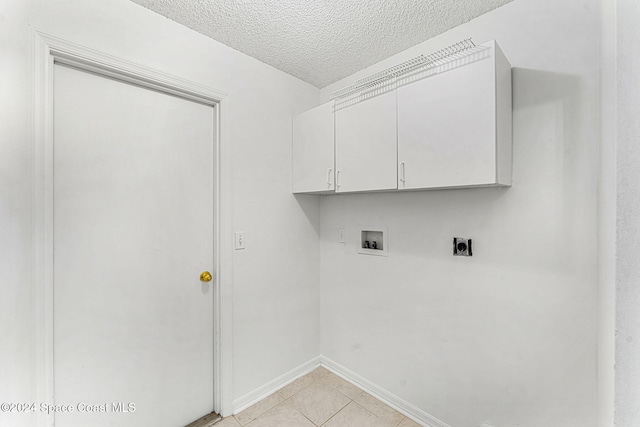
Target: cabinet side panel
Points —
{"points": [[504, 113], [313, 151]]}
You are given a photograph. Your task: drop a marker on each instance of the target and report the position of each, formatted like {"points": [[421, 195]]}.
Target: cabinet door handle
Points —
{"points": [[402, 174], [337, 178], [329, 176]]}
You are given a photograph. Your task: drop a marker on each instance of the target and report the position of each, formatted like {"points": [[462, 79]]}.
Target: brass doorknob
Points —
{"points": [[205, 276]]}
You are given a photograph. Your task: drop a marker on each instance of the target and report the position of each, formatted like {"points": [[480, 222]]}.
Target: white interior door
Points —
{"points": [[133, 230]]}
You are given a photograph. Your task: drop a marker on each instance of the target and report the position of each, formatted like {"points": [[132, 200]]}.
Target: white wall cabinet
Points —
{"points": [[313, 168], [366, 145], [454, 127], [447, 128]]}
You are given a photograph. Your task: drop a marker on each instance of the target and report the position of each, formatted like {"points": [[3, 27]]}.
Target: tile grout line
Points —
{"points": [[296, 409], [378, 417], [313, 382], [334, 415], [288, 400], [279, 395], [327, 373], [289, 403]]}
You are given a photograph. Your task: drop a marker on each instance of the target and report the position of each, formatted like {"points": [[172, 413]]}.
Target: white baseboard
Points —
{"points": [[271, 387], [400, 405]]}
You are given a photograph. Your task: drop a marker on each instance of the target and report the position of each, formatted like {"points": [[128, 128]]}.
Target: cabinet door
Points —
{"points": [[313, 150], [447, 126], [366, 145]]}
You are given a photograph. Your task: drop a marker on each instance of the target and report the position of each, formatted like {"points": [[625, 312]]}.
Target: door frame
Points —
{"points": [[50, 50]]}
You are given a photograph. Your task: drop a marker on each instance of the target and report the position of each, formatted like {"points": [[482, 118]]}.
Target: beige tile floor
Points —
{"points": [[320, 398]]}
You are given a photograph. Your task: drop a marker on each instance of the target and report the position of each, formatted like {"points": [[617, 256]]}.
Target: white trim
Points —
{"points": [[400, 405], [274, 385], [223, 297], [49, 49], [397, 403], [42, 217]]}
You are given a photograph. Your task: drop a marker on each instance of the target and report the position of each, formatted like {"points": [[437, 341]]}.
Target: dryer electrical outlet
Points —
{"points": [[462, 247]]}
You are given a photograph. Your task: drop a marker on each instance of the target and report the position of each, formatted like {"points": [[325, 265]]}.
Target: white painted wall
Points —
{"points": [[507, 337], [16, 328], [275, 279], [607, 215], [627, 376]]}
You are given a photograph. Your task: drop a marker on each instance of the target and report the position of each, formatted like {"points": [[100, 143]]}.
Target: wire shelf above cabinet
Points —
{"points": [[389, 78]]}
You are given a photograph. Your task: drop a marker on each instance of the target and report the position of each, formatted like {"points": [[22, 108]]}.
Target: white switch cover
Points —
{"points": [[340, 235], [240, 240]]}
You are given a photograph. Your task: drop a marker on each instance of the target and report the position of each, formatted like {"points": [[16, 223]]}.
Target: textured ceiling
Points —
{"points": [[321, 41]]}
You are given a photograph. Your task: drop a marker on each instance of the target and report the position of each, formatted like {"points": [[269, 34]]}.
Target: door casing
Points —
{"points": [[49, 50]]}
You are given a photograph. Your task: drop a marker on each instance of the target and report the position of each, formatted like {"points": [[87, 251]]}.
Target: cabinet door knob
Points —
{"points": [[402, 172], [337, 179], [205, 276], [329, 176]]}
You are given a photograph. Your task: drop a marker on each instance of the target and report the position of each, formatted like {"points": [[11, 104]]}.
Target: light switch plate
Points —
{"points": [[240, 243]]}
